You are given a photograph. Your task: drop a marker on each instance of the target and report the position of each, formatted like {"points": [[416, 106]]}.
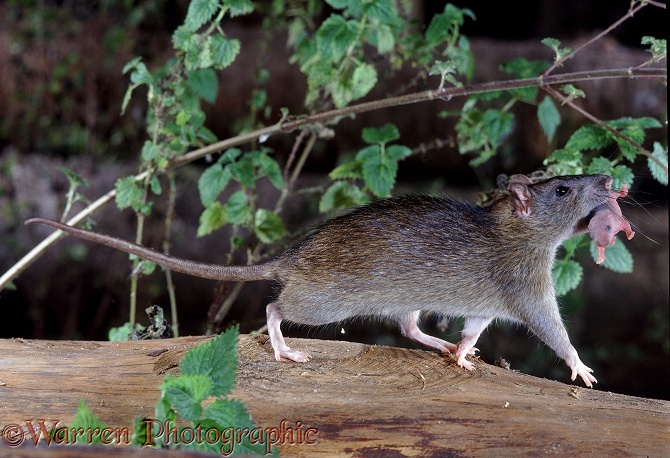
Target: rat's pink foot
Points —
{"points": [[461, 353], [579, 368], [464, 363], [293, 355], [410, 329]]}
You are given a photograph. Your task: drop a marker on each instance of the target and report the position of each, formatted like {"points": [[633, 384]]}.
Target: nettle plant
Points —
{"points": [[343, 57]]}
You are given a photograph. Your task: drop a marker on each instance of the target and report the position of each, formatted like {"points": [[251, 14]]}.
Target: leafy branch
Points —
{"points": [[292, 123]]}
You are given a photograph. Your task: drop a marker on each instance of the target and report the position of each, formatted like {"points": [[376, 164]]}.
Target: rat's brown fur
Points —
{"points": [[397, 257]]}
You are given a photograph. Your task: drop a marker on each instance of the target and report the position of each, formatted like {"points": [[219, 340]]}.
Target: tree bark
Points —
{"points": [[349, 400]]}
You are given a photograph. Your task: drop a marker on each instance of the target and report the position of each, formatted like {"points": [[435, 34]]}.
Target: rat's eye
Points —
{"points": [[561, 190]]}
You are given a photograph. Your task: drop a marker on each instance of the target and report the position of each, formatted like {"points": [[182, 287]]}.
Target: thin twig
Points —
{"points": [[566, 101], [631, 11]]}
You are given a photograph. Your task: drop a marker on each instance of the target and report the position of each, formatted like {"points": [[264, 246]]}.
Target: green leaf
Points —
{"points": [[379, 172], [341, 4], [341, 195], [397, 152], [599, 164], [155, 185], [230, 155], [363, 80], [572, 92], [228, 413], [199, 12], [128, 193], [237, 208], [212, 181], [146, 267], [658, 47], [351, 170], [564, 155], [232, 413], [589, 137], [122, 333], [571, 244], [239, 7], [524, 68], [566, 275], [74, 179], [87, 421], [216, 359], [243, 170], [621, 174], [184, 39], [617, 257], [385, 134], [270, 169], [549, 117], [660, 153], [497, 125], [223, 51], [443, 25], [269, 227], [382, 11], [186, 392], [555, 44], [150, 151], [204, 83], [163, 410], [382, 38], [212, 218], [335, 36], [141, 74]]}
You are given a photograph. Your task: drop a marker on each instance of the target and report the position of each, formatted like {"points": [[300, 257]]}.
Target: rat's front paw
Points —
{"points": [[464, 363], [584, 372]]}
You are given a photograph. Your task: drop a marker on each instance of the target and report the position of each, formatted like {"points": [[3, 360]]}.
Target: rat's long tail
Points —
{"points": [[196, 269]]}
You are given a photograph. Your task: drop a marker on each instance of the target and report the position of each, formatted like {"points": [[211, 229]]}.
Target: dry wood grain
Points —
{"points": [[359, 400]]}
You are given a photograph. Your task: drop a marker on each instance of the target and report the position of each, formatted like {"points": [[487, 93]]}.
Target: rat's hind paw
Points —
{"points": [[293, 355]]}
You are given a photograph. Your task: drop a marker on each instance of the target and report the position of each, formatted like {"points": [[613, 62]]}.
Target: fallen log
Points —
{"points": [[349, 400]]}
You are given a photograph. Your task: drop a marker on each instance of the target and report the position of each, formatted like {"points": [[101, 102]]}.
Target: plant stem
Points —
{"points": [[169, 218]]}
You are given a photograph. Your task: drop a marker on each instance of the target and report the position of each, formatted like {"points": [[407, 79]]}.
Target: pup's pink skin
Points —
{"points": [[607, 221]]}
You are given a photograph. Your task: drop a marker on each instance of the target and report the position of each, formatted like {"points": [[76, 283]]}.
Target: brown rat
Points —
{"points": [[398, 257]]}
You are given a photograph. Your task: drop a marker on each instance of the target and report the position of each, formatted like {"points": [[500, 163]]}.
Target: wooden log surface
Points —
{"points": [[355, 400]]}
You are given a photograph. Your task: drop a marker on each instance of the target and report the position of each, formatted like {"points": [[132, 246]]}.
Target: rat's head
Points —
{"points": [[561, 206]]}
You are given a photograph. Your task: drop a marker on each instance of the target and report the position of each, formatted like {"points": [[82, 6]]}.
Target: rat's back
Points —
{"points": [[413, 251]]}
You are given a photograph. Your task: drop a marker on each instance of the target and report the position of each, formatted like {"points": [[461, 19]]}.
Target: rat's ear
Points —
{"points": [[520, 194]]}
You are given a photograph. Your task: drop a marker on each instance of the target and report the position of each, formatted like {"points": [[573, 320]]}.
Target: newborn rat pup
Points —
{"points": [[607, 221], [397, 257]]}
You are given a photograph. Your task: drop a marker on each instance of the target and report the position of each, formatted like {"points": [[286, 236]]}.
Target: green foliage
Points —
{"points": [[85, 428], [567, 275], [549, 117], [594, 138], [200, 396], [376, 165], [122, 333], [617, 257], [246, 169], [72, 195], [555, 45], [657, 47], [661, 155]]}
